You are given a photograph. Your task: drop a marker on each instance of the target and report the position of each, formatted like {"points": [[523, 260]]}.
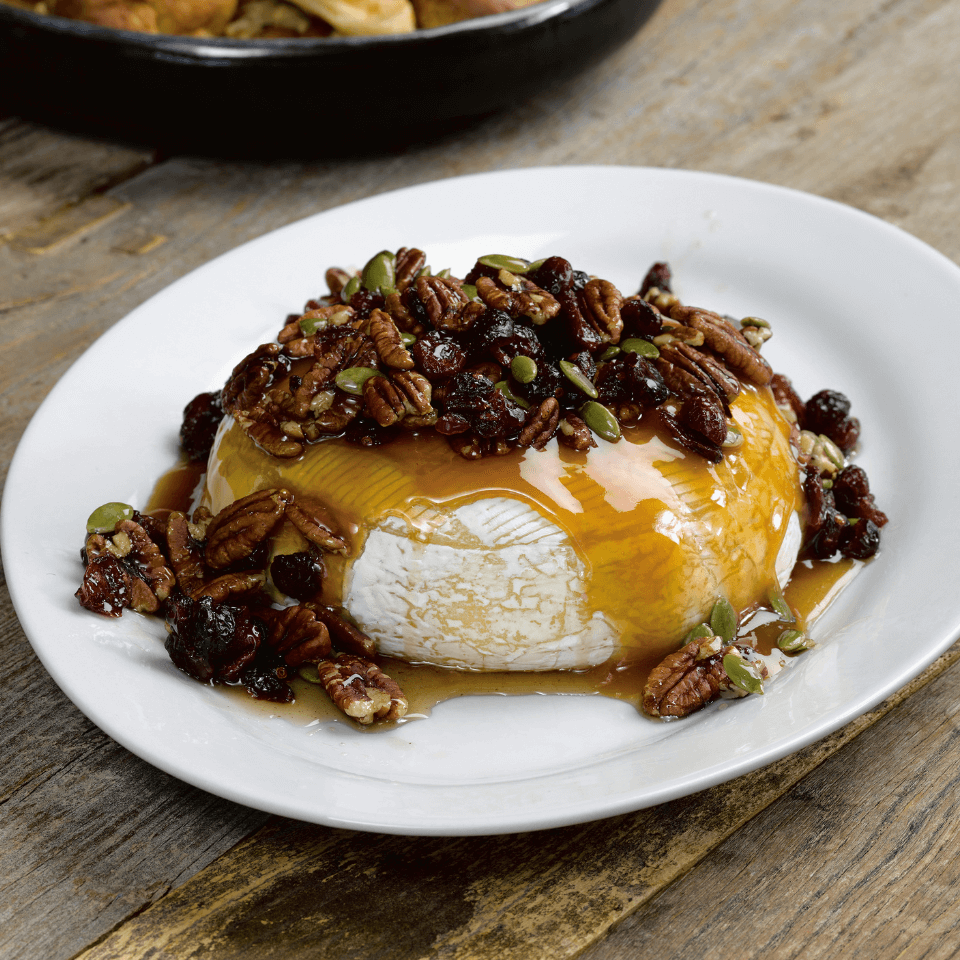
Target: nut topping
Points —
{"points": [[236, 531], [361, 689]]}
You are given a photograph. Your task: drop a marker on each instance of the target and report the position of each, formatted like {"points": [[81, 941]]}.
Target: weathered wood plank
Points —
{"points": [[42, 170], [89, 834], [856, 101], [294, 890], [858, 860]]}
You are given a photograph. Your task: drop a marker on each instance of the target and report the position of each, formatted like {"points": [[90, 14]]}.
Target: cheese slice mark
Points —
{"points": [[543, 560]]}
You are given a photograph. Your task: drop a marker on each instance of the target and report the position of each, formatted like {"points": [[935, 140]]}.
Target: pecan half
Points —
{"points": [[186, 554], [446, 305], [409, 263], [345, 636], [151, 563], [361, 689], [236, 531], [472, 447], [519, 297], [272, 439], [244, 392], [386, 338], [297, 635], [601, 307], [724, 339], [383, 401], [230, 585], [415, 390], [541, 424], [686, 680], [312, 520], [574, 433]]}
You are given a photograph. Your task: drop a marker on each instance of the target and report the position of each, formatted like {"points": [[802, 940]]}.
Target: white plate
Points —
{"points": [[857, 305]]}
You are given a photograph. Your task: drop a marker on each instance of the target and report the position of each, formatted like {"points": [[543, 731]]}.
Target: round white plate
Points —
{"points": [[847, 295]]}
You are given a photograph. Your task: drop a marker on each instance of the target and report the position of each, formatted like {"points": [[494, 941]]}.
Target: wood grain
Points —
{"points": [[535, 896], [858, 860], [858, 101]]}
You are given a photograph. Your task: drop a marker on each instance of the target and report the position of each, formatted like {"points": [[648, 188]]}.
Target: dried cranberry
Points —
{"points": [[827, 541], [577, 332], [852, 491], [549, 382], [553, 275], [201, 417], [208, 641], [704, 415], [659, 276], [438, 356], [298, 575], [580, 279], [365, 432], [640, 319], [411, 300], [860, 540], [262, 683], [828, 412], [486, 409], [106, 586], [631, 378], [365, 302]]}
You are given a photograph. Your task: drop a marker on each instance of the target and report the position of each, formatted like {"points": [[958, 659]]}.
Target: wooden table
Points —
{"points": [[850, 845]]}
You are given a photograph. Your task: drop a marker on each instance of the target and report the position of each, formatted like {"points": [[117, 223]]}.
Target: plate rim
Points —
{"points": [[626, 804]]}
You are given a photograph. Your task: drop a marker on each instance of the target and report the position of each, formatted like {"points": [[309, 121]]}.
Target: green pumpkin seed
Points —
{"points": [[524, 369], [640, 346], [469, 291], [755, 322], [349, 289], [387, 289], [794, 641], [408, 339], [734, 437], [499, 261], [536, 265], [424, 271], [380, 271], [105, 518], [578, 378], [504, 388], [444, 274], [723, 620], [609, 353], [309, 673], [600, 420], [700, 632], [779, 605], [310, 325], [743, 674], [352, 379]]}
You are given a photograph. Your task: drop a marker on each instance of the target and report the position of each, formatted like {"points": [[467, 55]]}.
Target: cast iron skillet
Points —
{"points": [[333, 95]]}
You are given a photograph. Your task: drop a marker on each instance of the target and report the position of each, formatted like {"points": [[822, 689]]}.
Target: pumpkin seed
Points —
{"points": [[794, 641], [600, 420], [524, 369], [779, 605], [499, 261], [349, 289], [609, 353], [310, 325], [504, 388], [444, 274], [380, 271], [754, 322], [352, 379], [723, 620], [469, 291], [742, 674], [106, 517], [640, 346], [309, 673], [408, 339], [700, 632], [578, 378]]}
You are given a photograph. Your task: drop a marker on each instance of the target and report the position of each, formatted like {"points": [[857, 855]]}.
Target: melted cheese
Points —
{"points": [[543, 560]]}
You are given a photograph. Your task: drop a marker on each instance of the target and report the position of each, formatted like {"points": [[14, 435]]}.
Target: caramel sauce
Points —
{"points": [[655, 528], [419, 468]]}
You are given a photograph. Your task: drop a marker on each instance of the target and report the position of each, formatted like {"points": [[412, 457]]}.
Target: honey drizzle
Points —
{"points": [[813, 586]]}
